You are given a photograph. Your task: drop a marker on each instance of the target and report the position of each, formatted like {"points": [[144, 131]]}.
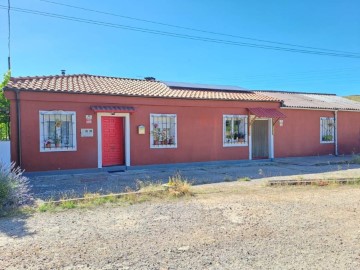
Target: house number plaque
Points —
{"points": [[87, 132], [141, 130], [88, 119]]}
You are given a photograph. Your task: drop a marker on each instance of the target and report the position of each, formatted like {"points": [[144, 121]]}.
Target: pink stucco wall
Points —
{"points": [[199, 130]]}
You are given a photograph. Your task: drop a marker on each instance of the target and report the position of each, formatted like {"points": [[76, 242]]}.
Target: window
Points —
{"points": [[327, 130], [57, 131], [235, 130], [163, 131]]}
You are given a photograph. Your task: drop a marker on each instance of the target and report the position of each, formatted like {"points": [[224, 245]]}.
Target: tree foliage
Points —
{"points": [[4, 109], [4, 103]]}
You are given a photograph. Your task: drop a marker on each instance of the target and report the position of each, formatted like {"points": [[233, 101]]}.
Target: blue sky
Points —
{"points": [[44, 45]]}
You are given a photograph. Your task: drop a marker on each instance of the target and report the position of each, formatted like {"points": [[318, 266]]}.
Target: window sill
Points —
{"points": [[326, 142], [45, 150], [235, 145], [162, 146]]}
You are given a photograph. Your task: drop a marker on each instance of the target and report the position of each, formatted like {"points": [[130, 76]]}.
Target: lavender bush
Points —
{"points": [[14, 188]]}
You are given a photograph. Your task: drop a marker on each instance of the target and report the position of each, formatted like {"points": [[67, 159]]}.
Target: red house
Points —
{"points": [[84, 121]]}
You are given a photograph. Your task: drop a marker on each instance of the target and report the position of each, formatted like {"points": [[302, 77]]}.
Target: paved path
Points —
{"points": [[74, 185]]}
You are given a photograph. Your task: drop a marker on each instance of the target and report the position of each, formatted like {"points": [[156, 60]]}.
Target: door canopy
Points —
{"points": [[274, 114], [266, 113], [113, 109]]}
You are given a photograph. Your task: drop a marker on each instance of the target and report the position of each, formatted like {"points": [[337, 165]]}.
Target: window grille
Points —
{"points": [[235, 130], [57, 131], [163, 131], [327, 130]]}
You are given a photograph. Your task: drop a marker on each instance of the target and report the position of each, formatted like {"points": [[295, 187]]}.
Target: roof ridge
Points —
{"points": [[294, 92], [123, 78], [21, 78], [76, 75], [210, 89]]}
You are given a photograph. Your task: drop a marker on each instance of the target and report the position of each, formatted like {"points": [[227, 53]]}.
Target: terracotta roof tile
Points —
{"points": [[312, 100], [91, 84]]}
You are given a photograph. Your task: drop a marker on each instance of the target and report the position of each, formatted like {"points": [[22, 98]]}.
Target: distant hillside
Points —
{"points": [[355, 98]]}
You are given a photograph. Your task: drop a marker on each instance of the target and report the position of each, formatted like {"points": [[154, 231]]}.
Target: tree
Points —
{"points": [[4, 109]]}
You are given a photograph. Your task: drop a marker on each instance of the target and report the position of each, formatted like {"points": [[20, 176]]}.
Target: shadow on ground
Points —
{"points": [[14, 227]]}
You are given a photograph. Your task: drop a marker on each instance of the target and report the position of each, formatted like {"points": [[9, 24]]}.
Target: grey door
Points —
{"points": [[260, 139]]}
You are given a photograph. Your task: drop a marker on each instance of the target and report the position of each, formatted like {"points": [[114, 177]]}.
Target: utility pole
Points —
{"points": [[9, 62]]}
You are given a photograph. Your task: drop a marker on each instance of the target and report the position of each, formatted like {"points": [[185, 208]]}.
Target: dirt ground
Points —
{"points": [[237, 225]]}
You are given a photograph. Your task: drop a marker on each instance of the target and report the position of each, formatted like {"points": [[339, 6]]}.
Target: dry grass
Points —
{"points": [[178, 186], [244, 179], [354, 98], [146, 191], [314, 182]]}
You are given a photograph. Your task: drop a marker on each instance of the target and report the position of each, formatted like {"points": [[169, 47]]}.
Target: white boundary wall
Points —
{"points": [[5, 152]]}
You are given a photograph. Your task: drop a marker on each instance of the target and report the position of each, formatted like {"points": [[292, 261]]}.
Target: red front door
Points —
{"points": [[112, 140]]}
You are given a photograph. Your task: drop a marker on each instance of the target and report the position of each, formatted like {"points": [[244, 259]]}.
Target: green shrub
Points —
{"points": [[4, 192], [14, 188]]}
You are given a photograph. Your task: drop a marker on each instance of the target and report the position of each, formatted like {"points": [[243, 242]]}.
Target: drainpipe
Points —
{"points": [[18, 121], [336, 133]]}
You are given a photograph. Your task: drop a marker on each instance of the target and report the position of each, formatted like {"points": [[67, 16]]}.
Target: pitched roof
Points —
{"points": [[102, 85], [312, 100]]}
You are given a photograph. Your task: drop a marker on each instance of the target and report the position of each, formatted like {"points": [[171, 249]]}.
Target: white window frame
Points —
{"points": [[233, 143], [321, 129], [152, 145], [59, 149]]}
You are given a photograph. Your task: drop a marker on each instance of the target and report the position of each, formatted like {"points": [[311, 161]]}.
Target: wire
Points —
{"points": [[183, 36], [192, 29], [309, 73]]}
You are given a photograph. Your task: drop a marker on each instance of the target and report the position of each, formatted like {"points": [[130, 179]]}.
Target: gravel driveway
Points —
{"points": [[237, 225]]}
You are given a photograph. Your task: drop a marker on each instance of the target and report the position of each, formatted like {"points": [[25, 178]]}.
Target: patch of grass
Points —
{"points": [[98, 199], [244, 179], [46, 207], [179, 186], [149, 187], [355, 159], [147, 190], [67, 204]]}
